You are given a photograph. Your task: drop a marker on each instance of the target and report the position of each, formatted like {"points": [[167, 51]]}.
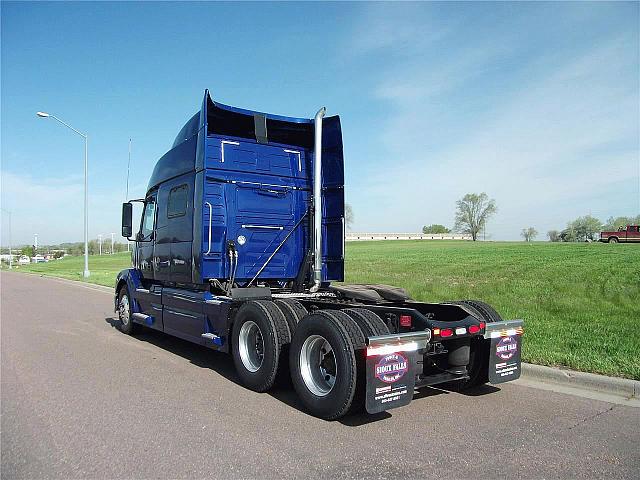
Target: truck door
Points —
{"points": [[146, 238]]}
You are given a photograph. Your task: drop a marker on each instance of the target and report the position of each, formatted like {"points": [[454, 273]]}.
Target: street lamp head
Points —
{"points": [[42, 114]]}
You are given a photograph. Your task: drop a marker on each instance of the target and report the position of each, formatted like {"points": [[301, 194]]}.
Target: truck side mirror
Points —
{"points": [[127, 213]]}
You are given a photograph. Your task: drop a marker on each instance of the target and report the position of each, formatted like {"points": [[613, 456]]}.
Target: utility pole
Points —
{"points": [[112, 241], [100, 242]]}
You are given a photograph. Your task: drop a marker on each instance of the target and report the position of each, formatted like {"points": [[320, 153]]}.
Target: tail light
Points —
{"points": [[446, 332], [474, 329]]}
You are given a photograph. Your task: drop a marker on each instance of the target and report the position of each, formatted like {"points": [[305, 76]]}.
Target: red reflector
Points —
{"points": [[405, 320], [474, 329], [482, 325], [447, 332]]}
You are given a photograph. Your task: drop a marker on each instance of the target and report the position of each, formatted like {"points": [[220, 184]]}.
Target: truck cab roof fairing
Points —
{"points": [[226, 120], [237, 122]]}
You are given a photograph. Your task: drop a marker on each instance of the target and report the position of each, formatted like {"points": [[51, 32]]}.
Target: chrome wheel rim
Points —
{"points": [[251, 346], [123, 310], [318, 365]]}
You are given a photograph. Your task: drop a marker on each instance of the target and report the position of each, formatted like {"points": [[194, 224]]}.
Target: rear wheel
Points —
{"points": [[478, 367], [613, 239], [325, 354], [293, 311], [370, 323], [259, 333]]}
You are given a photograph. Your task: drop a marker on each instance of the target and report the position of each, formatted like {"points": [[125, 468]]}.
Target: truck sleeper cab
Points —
{"points": [[241, 234]]}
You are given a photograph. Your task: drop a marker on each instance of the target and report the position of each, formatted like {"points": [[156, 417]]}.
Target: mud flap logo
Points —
{"points": [[391, 368], [390, 380], [504, 361], [506, 348]]}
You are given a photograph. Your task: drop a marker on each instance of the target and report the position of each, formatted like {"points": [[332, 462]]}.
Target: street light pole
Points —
{"points": [[10, 252], [8, 212], [86, 272]]}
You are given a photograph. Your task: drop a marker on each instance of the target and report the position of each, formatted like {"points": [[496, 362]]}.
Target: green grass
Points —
{"points": [[103, 268], [580, 302]]}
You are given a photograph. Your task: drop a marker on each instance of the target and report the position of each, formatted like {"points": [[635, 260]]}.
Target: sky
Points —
{"points": [[536, 104]]}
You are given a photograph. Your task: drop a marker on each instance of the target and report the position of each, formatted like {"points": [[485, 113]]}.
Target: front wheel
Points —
{"points": [[126, 324], [613, 240]]}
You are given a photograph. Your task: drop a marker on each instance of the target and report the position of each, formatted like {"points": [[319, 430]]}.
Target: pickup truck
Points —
{"points": [[630, 234]]}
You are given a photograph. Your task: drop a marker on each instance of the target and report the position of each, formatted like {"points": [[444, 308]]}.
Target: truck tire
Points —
{"points": [[613, 240], [478, 368], [259, 333], [125, 324], [293, 311], [326, 350], [370, 323], [489, 314]]}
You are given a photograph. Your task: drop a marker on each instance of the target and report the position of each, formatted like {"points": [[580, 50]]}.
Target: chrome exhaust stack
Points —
{"points": [[317, 202]]}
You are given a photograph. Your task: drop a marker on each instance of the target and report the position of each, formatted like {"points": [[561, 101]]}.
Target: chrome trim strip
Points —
{"points": [[295, 152], [269, 227], [227, 142]]}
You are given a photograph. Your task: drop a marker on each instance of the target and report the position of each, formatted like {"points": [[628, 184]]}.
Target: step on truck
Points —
{"points": [[241, 248]]}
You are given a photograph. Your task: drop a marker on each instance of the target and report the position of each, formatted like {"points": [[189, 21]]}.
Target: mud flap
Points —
{"points": [[505, 350], [391, 369]]}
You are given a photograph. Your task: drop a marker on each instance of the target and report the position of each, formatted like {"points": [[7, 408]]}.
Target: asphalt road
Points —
{"points": [[82, 400]]}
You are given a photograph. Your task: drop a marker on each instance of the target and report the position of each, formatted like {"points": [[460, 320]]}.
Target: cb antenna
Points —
{"points": [[128, 166]]}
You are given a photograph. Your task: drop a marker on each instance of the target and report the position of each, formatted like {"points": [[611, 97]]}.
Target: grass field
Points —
{"points": [[580, 302]]}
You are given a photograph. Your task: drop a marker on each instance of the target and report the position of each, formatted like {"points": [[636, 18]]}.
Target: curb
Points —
{"points": [[621, 387]]}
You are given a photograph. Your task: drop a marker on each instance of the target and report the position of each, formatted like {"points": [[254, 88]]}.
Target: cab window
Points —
{"points": [[177, 204], [148, 218]]}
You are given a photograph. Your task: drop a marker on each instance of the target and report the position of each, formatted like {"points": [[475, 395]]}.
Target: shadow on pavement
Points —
{"points": [[478, 391], [222, 364]]}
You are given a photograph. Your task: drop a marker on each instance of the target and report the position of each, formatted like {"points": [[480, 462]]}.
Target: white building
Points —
{"points": [[406, 236]]}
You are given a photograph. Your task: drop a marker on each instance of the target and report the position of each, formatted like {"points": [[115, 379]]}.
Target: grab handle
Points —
{"points": [[210, 219]]}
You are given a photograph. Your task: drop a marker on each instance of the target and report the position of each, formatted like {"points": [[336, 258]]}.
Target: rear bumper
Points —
{"points": [[394, 363]]}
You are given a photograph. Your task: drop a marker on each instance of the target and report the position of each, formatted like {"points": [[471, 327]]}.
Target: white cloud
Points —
{"points": [[549, 150]]}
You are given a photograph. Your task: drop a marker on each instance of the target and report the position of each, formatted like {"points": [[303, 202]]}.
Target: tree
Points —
{"points": [[581, 229], [529, 234], [435, 228], [472, 213], [614, 223], [28, 250], [348, 216], [554, 235]]}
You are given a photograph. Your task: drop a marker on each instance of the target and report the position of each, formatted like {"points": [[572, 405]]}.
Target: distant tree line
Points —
{"points": [[588, 228], [74, 248]]}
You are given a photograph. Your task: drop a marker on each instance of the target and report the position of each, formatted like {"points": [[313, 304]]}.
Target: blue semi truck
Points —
{"points": [[242, 234]]}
